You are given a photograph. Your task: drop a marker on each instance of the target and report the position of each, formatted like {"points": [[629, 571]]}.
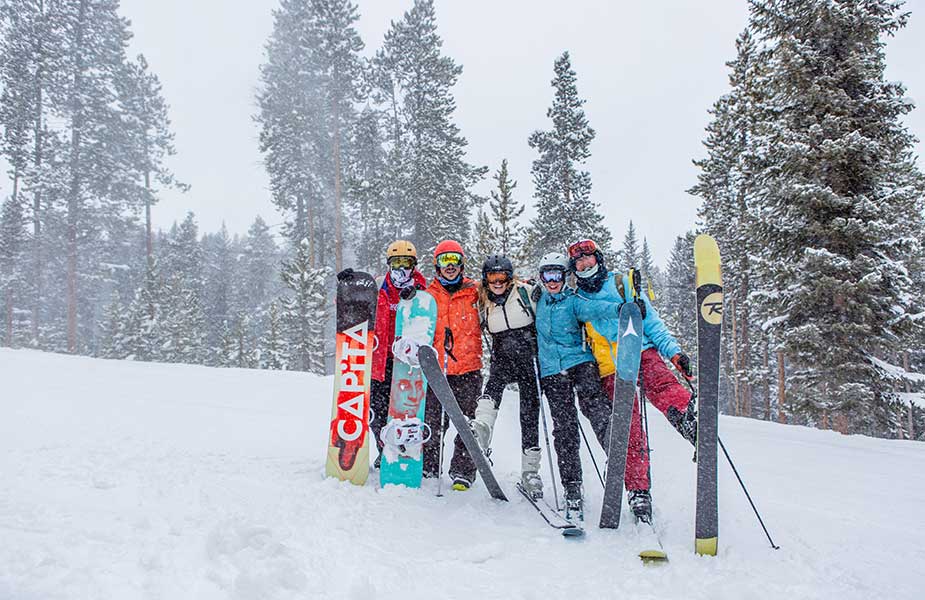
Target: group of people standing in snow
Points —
{"points": [[546, 337]]}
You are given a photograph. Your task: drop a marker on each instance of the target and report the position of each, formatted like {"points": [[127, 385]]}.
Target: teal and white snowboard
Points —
{"points": [[405, 432]]}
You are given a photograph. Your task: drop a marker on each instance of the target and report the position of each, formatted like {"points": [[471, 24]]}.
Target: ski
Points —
{"points": [[654, 552], [441, 388], [405, 432], [629, 353], [348, 447], [551, 516], [709, 330]]}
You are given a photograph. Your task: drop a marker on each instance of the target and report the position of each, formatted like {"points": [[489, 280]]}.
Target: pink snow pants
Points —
{"points": [[663, 391]]}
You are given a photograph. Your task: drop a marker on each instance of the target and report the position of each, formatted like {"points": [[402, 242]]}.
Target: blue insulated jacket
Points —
{"points": [[655, 333], [560, 334]]}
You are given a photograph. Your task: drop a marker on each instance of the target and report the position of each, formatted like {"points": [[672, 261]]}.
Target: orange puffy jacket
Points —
{"points": [[459, 313]]}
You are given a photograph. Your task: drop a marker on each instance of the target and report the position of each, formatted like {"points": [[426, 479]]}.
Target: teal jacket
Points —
{"points": [[559, 329], [655, 333]]}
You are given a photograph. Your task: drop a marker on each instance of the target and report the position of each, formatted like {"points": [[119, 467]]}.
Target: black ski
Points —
{"points": [[441, 388], [709, 330], [551, 516]]}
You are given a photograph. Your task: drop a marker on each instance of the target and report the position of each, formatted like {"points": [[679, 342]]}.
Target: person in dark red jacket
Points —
{"points": [[401, 278], [458, 329]]}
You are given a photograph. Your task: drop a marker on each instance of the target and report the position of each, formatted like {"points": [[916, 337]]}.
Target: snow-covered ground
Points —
{"points": [[129, 480]]}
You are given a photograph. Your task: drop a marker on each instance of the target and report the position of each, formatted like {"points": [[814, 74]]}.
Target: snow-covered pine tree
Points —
{"points": [[677, 297], [115, 321], [431, 179], [651, 273], [273, 351], [259, 261], [629, 252], [375, 217], [728, 187], [143, 334], [222, 282], [304, 311], [840, 206], [505, 212], [565, 211], [486, 240]]}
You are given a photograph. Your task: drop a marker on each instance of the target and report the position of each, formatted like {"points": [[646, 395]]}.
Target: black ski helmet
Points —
{"points": [[497, 263]]}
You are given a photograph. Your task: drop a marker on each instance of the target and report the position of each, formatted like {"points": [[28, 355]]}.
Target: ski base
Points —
{"points": [[552, 518]]}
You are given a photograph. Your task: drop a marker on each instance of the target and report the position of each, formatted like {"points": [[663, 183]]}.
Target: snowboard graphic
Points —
{"points": [[629, 353], [348, 448], [404, 433], [709, 330]]}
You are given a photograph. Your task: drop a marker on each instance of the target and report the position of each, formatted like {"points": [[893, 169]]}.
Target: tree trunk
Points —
{"points": [[767, 380], [73, 200], [338, 200], [37, 197], [8, 313], [746, 345], [781, 390], [911, 426], [149, 243], [735, 358]]}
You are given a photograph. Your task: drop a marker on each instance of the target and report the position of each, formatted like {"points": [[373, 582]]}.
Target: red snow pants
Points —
{"points": [[663, 391]]}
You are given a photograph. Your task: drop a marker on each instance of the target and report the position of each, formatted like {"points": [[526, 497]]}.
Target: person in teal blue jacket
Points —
{"points": [[568, 368], [661, 388]]}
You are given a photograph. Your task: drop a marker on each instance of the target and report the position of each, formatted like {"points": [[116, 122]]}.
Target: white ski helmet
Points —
{"points": [[553, 260]]}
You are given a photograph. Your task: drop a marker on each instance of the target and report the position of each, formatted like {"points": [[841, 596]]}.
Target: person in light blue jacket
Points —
{"points": [[568, 368], [661, 387]]}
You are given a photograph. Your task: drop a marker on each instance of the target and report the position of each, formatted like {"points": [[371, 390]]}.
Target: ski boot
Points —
{"points": [[686, 422], [574, 506], [640, 502], [484, 422], [461, 484], [530, 473]]}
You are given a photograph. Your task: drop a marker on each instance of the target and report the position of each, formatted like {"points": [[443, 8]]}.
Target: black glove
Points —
{"points": [[642, 307], [407, 293], [345, 275], [682, 363], [537, 293]]}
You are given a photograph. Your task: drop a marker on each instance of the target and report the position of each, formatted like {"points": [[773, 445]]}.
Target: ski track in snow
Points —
{"points": [[130, 480]]}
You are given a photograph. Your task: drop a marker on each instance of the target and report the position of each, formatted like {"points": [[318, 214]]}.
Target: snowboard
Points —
{"points": [[441, 388], [629, 351], [709, 329], [348, 447], [403, 463]]}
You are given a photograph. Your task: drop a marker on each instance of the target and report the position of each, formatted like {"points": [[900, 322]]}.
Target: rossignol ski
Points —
{"points": [[629, 352], [405, 432], [348, 447], [552, 517], [441, 388], [709, 328]]}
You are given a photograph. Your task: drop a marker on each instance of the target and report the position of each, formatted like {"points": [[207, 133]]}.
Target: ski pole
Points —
{"points": [[741, 483], [539, 396], [588, 445]]}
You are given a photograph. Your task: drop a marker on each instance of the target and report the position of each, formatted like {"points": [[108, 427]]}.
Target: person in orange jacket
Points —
{"points": [[458, 342]]}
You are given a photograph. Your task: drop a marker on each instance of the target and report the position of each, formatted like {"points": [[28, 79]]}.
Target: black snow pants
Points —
{"points": [[512, 361], [380, 393], [466, 387], [560, 389]]}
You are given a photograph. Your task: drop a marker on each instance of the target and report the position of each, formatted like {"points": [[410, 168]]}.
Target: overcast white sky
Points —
{"points": [[649, 72]]}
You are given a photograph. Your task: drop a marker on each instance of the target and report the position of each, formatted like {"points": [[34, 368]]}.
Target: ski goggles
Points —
{"points": [[497, 278], [582, 248], [401, 262], [449, 259], [552, 276]]}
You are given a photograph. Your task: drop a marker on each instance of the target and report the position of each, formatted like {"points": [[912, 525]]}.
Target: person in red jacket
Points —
{"points": [[458, 342], [401, 278]]}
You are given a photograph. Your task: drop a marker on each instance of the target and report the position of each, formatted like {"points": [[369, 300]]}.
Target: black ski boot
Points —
{"points": [[641, 503], [574, 509], [686, 422]]}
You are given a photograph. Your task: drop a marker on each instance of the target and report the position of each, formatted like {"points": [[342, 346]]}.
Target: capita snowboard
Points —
{"points": [[709, 329], [629, 351], [404, 432], [348, 447], [441, 388]]}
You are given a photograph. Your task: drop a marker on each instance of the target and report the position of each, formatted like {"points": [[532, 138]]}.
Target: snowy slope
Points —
{"points": [[129, 480]]}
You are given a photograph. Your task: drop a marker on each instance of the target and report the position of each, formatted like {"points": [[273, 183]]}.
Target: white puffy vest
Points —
{"points": [[512, 314]]}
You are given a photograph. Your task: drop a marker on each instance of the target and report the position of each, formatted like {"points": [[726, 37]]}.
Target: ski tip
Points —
{"points": [[573, 532], [707, 261]]}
